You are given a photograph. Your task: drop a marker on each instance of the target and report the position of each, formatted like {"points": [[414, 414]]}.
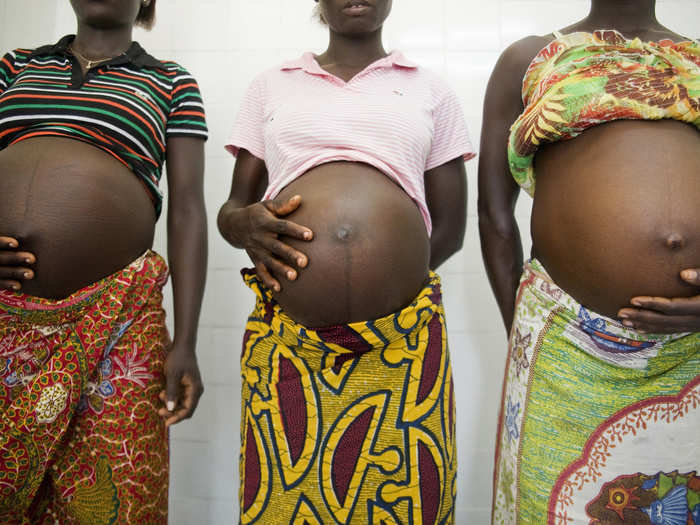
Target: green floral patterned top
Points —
{"points": [[583, 79]]}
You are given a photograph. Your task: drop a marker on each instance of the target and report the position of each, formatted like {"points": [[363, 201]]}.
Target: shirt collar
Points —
{"points": [[307, 62], [135, 55]]}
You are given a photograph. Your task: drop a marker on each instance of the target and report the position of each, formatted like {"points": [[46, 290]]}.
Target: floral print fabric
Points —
{"points": [[584, 79], [598, 422], [80, 438]]}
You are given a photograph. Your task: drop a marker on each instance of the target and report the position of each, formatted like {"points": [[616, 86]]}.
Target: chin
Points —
{"points": [[101, 14], [357, 27]]}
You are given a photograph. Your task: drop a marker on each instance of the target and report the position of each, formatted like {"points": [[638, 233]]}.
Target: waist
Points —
{"points": [[149, 269], [355, 337], [83, 214], [598, 335], [370, 252], [537, 276]]}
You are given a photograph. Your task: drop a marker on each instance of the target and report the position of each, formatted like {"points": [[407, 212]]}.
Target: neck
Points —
{"points": [[354, 50], [623, 14], [100, 43]]}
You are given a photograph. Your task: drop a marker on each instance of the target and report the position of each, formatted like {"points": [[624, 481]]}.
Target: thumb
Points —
{"points": [[172, 390], [281, 208], [691, 276]]}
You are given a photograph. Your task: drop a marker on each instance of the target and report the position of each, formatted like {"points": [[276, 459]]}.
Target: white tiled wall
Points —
{"points": [[224, 43]]}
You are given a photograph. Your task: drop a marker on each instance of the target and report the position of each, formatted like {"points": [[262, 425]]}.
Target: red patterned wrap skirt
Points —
{"points": [[80, 438]]}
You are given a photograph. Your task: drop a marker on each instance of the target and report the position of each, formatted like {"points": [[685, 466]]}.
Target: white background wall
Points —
{"points": [[224, 43]]}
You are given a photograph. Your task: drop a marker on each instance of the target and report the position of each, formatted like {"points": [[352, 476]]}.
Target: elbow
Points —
{"points": [[222, 219], [444, 244], [224, 223], [191, 214], [496, 222], [455, 243]]}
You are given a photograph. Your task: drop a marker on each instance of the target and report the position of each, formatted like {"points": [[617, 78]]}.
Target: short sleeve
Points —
{"points": [[248, 127], [186, 118], [450, 135], [8, 70]]}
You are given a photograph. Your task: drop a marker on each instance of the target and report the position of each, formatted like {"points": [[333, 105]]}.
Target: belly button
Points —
{"points": [[675, 241], [344, 233]]}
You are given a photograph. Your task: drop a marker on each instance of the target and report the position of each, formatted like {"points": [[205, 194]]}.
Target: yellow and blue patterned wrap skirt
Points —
{"points": [[599, 424], [351, 424]]}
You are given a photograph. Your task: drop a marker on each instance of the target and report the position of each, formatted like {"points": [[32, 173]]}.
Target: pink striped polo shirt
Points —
{"points": [[393, 115]]}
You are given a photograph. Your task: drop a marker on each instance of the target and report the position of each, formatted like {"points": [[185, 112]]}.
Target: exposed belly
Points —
{"points": [[82, 213], [370, 252], [616, 212]]}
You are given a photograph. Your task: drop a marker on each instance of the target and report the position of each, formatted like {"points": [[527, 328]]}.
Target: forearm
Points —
{"points": [[187, 255], [446, 196], [502, 252]]}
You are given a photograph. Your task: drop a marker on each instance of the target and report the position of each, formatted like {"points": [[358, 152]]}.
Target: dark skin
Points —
{"points": [[275, 243], [498, 192], [105, 30]]}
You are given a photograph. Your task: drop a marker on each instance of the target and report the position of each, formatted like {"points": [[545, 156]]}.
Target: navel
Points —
{"points": [[675, 241], [344, 233]]}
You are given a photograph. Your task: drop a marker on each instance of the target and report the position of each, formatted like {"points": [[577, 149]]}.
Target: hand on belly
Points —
{"points": [[666, 314], [15, 265], [262, 230]]}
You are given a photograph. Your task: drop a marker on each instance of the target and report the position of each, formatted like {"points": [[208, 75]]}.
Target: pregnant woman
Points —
{"points": [[348, 407], [85, 127], [600, 413]]}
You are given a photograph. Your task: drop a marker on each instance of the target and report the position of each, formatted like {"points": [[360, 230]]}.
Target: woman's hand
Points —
{"points": [[257, 229], [14, 265], [663, 315], [183, 385]]}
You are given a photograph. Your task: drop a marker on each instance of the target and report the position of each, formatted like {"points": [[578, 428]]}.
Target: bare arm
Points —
{"points": [[446, 196], [187, 256], [500, 237], [255, 226]]}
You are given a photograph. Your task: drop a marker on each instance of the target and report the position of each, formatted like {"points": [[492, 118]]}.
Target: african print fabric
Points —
{"points": [[599, 423], [584, 79], [351, 424], [80, 438]]}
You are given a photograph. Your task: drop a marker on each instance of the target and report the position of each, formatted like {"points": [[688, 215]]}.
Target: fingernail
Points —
{"points": [[307, 235], [623, 315], [276, 288], [28, 260], [15, 287], [636, 302], [301, 261], [27, 275], [628, 323], [170, 406], [291, 274], [690, 274]]}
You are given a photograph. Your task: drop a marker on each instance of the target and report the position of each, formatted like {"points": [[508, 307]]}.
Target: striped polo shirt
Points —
{"points": [[128, 106], [394, 115]]}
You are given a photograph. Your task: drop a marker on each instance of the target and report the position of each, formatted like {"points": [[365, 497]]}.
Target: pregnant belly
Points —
{"points": [[82, 213], [616, 212], [370, 252]]}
